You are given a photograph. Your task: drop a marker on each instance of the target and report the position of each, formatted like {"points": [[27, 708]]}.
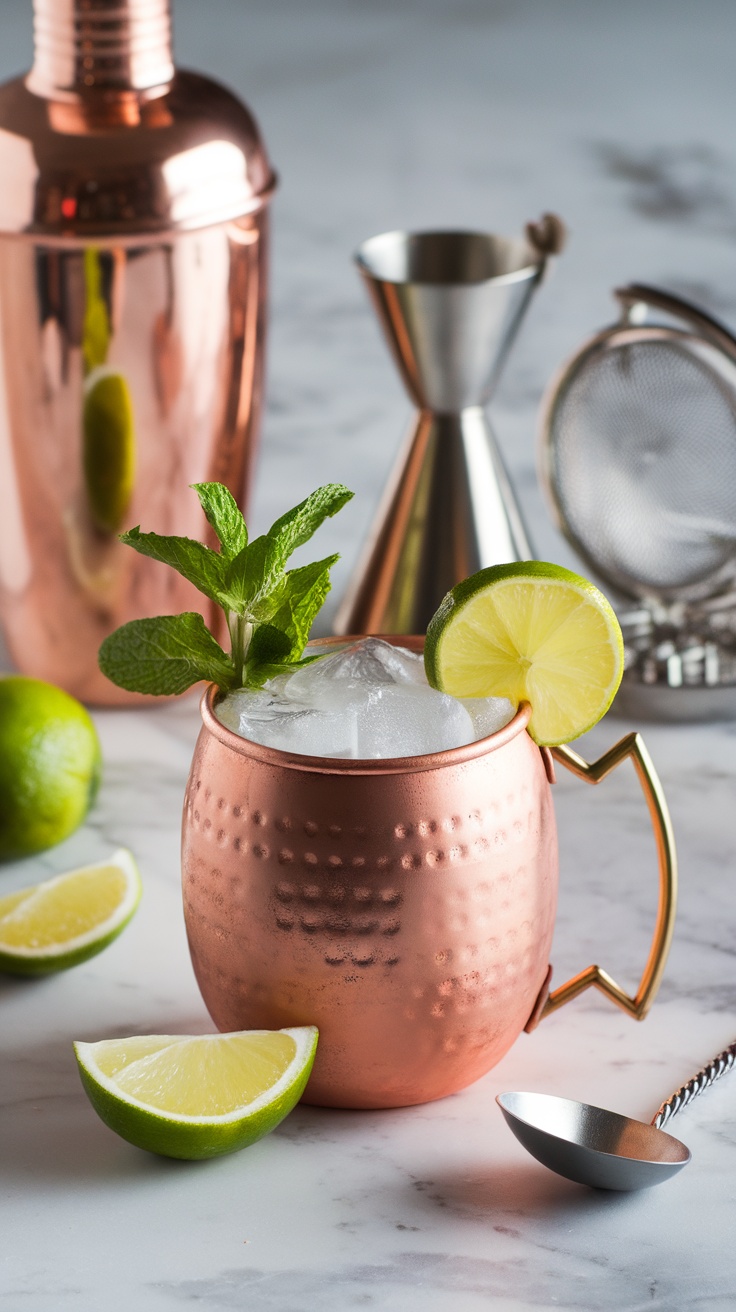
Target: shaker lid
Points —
{"points": [[127, 165]]}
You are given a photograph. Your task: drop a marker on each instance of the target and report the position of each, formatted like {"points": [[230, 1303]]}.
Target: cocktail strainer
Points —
{"points": [[638, 455]]}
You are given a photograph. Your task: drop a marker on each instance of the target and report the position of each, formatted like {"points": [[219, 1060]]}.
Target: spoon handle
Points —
{"points": [[724, 1062]]}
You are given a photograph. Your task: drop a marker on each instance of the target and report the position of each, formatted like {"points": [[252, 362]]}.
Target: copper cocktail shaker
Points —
{"points": [[133, 227]]}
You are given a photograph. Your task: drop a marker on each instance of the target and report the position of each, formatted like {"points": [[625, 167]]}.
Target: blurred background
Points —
{"points": [[461, 113]]}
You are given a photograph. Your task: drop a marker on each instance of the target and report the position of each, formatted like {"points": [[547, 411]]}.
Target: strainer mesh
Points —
{"points": [[643, 463]]}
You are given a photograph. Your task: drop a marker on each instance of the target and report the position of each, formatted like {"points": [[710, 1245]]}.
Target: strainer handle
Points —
{"points": [[639, 293], [631, 746]]}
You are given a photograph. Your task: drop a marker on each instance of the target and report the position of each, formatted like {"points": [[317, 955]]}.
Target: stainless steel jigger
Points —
{"points": [[451, 304]]}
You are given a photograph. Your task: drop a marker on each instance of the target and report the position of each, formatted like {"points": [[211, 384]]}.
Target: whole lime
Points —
{"points": [[49, 765]]}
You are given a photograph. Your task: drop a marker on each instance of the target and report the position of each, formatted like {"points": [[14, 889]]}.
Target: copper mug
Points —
{"points": [[404, 906]]}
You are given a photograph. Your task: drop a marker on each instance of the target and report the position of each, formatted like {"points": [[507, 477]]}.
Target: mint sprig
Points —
{"points": [[269, 610]]}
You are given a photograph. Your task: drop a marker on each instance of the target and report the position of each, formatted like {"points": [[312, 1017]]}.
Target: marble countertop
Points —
{"points": [[417, 113]]}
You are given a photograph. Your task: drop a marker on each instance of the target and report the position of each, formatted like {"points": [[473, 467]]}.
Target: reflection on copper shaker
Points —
{"points": [[133, 250]]}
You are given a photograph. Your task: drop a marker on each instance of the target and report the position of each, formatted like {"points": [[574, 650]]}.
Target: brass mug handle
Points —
{"points": [[638, 1006]]}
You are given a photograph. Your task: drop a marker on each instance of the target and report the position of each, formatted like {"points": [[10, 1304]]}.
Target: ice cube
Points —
{"points": [[341, 672], [398, 663], [489, 714], [368, 700], [371, 663], [306, 732], [411, 720], [229, 709], [267, 717]]}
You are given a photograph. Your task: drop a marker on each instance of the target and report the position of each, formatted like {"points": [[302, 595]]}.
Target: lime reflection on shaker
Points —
{"points": [[108, 427], [108, 449]]}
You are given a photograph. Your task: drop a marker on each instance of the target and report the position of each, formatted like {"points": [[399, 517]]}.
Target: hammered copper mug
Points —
{"points": [[404, 906]]}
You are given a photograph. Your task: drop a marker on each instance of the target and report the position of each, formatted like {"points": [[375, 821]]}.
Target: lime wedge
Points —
{"points": [[197, 1096], [69, 918], [531, 632]]}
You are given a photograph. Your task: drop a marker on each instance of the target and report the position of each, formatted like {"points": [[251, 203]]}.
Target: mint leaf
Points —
{"points": [[269, 611], [258, 674], [277, 645], [258, 570], [303, 595], [224, 515], [202, 566], [269, 646], [165, 655], [296, 527], [307, 589], [254, 573]]}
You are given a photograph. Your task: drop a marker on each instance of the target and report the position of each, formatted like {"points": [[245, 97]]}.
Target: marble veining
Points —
{"points": [[417, 113]]}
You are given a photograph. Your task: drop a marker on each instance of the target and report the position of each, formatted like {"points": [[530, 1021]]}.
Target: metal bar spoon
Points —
{"points": [[600, 1148]]}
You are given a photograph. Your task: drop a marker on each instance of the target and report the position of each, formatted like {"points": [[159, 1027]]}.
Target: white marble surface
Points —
{"points": [[472, 112]]}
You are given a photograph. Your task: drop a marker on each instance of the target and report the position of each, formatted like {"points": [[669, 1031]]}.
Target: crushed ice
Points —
{"points": [[367, 700]]}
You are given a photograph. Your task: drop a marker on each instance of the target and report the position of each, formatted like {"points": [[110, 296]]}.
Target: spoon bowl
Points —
{"points": [[590, 1145]]}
